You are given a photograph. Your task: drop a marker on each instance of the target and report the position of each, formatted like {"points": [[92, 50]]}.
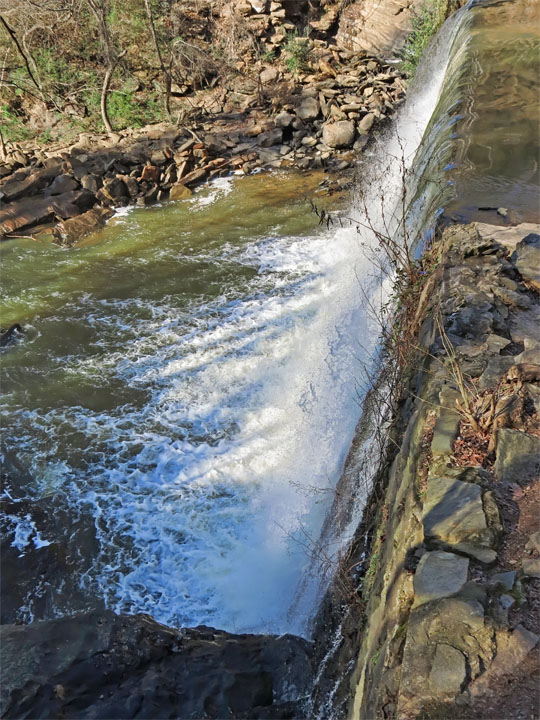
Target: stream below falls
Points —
{"points": [[178, 413]]}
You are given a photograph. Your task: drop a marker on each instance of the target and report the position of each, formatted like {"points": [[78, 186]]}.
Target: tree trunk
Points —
{"points": [[3, 151], [13, 36], [105, 90], [165, 73]]}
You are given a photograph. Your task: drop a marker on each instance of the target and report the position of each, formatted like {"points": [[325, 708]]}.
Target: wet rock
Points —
{"points": [[518, 456], [150, 173], [30, 185], [71, 231], [453, 515], [62, 184], [179, 192], [448, 671], [339, 134], [116, 190], [439, 574], [11, 335], [107, 666], [526, 258]]}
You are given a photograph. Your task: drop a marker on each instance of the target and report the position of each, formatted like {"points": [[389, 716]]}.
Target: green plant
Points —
{"points": [[426, 22], [296, 52]]}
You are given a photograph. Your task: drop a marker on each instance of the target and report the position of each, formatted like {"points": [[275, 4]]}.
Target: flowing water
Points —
{"points": [[187, 382]]}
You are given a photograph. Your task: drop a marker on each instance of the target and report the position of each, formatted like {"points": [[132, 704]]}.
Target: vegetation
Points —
{"points": [[426, 23]]}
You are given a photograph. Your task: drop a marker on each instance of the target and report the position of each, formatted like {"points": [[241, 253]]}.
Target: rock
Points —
{"points": [[533, 543], [131, 184], [445, 432], [531, 567], [309, 109], [366, 123], [270, 137], [268, 75], [32, 184], [339, 134], [498, 365], [195, 176], [518, 456], [116, 190], [150, 173], [284, 119], [11, 335], [526, 258], [258, 5], [439, 574], [506, 579], [72, 230], [62, 184], [512, 649], [179, 192], [109, 666], [448, 671], [453, 515], [91, 182], [506, 602]]}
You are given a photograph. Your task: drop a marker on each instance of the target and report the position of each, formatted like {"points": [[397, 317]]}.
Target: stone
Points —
{"points": [[526, 258], [309, 109], [453, 515], [445, 432], [439, 574], [506, 602], [195, 177], [448, 671], [506, 579], [74, 229], [116, 189], [30, 185], [284, 119], [366, 123], [498, 365], [109, 666], [179, 192], [339, 134], [91, 182], [270, 137], [62, 184], [531, 567], [150, 173], [533, 543], [517, 456], [268, 75]]}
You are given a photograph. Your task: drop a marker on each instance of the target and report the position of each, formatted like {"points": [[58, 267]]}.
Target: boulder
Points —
{"points": [[91, 182], [526, 258], [62, 184], [268, 75], [106, 666], [270, 137], [339, 134], [448, 671], [116, 190], [284, 119], [72, 230], [179, 192], [30, 185], [518, 456], [151, 173]]}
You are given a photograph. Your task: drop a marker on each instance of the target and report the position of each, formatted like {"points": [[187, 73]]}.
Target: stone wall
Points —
{"points": [[451, 617]]}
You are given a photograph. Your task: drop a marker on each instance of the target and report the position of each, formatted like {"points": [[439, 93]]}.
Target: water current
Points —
{"points": [[188, 385]]}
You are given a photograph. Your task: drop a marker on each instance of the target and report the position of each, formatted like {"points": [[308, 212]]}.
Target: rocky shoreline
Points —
{"points": [[446, 617], [324, 120]]}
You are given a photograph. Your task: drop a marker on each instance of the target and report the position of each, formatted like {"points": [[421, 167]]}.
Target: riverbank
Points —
{"points": [[321, 117], [444, 619]]}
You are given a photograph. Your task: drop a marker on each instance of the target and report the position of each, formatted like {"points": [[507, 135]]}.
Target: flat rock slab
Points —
{"points": [[100, 665], [507, 236], [439, 574], [445, 432], [518, 456], [448, 672], [454, 515]]}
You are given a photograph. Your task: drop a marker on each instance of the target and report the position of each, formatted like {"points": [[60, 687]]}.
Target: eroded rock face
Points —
{"points": [[107, 666]]}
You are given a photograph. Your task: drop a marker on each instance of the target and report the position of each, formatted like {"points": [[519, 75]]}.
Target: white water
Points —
{"points": [[206, 494]]}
